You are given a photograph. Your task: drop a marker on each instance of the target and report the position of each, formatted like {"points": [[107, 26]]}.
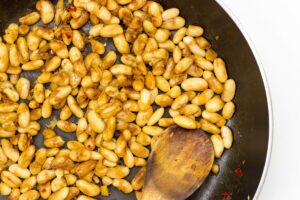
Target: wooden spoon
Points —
{"points": [[180, 161]]}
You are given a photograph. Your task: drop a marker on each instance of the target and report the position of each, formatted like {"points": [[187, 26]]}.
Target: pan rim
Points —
{"points": [[267, 91]]}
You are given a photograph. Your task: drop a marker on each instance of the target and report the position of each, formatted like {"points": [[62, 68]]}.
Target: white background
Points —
{"points": [[274, 28]]}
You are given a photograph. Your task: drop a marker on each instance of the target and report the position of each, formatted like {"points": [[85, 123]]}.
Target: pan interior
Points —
{"points": [[250, 123]]}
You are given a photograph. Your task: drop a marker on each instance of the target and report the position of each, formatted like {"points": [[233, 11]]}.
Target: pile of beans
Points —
{"points": [[162, 74]]}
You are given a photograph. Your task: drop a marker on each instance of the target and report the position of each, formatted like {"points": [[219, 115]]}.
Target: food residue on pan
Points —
{"points": [[226, 195], [238, 171]]}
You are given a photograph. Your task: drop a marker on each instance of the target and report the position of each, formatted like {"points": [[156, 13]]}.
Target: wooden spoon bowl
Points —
{"points": [[180, 161]]}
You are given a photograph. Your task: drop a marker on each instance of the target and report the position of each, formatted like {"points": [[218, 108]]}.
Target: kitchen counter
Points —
{"points": [[274, 28]]}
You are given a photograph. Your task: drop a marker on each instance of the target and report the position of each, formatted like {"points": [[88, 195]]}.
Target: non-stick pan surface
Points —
{"points": [[241, 167]]}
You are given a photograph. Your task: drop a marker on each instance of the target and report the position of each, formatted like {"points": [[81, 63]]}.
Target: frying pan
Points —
{"points": [[242, 168]]}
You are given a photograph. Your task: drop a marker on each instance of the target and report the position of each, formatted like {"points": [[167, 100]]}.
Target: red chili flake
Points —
{"points": [[226, 194], [238, 171], [68, 35], [71, 8]]}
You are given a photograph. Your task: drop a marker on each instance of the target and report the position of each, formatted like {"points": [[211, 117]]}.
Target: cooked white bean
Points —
{"points": [[220, 70], [4, 58], [194, 84], [229, 90], [218, 145], [185, 122], [227, 137], [156, 116]]}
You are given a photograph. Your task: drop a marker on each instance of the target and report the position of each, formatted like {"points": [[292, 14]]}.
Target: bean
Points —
{"points": [[203, 63], [44, 32], [190, 109], [14, 194], [120, 69], [183, 65], [59, 48], [215, 104], [170, 13], [80, 155], [87, 188], [211, 117], [138, 180], [139, 150], [185, 122], [30, 18], [121, 44], [45, 175], [45, 190], [70, 179], [22, 87], [19, 171], [33, 41], [73, 192], [215, 168], [156, 116], [180, 101], [194, 84], [227, 137], [218, 145], [76, 110], [193, 46], [228, 110], [77, 23], [144, 102], [9, 151], [215, 85], [122, 185], [152, 130], [11, 94], [33, 65], [128, 158], [23, 49], [10, 179], [162, 83], [229, 90], [209, 127], [96, 122], [174, 23], [161, 35], [14, 56], [220, 70], [65, 113], [118, 172], [66, 126], [110, 30], [54, 142], [165, 122], [46, 9], [143, 139], [194, 31], [31, 194], [78, 39], [28, 184], [163, 100], [83, 197], [60, 194]]}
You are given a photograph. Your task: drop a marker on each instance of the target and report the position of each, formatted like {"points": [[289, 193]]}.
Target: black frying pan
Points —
{"points": [[242, 167]]}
